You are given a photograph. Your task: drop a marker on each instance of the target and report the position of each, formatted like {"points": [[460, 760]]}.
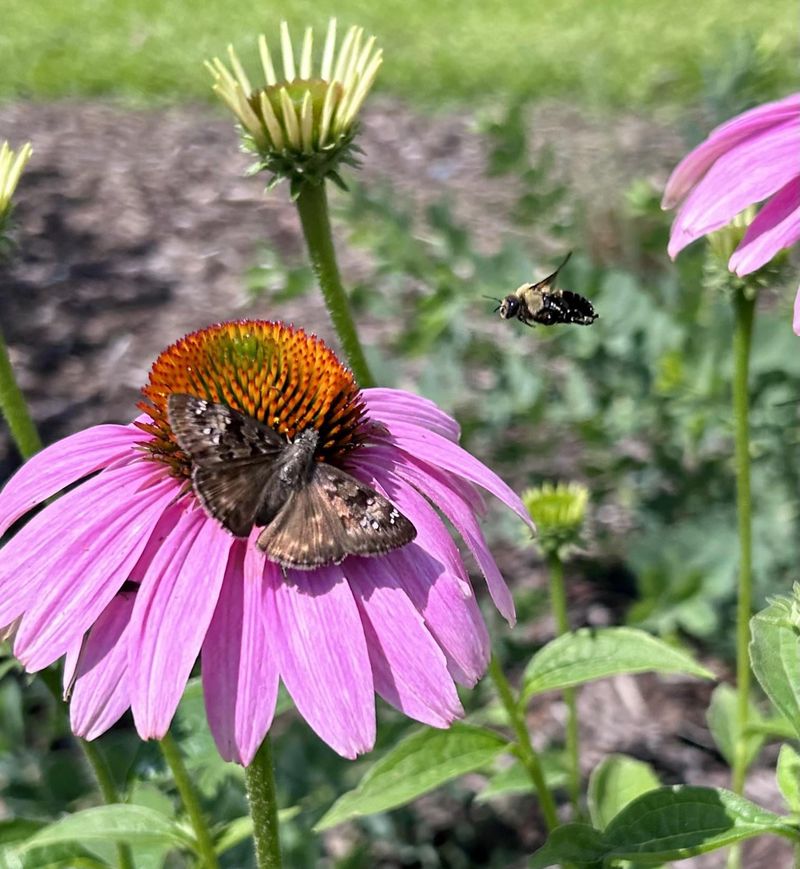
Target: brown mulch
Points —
{"points": [[136, 227]]}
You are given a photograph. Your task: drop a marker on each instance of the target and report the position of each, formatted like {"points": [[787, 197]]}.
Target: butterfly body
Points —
{"points": [[542, 303], [245, 474]]}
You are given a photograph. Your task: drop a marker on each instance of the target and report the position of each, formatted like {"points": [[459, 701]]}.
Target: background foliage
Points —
{"points": [[637, 406]]}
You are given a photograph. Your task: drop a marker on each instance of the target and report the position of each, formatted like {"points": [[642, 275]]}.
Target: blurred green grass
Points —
{"points": [[622, 52]]}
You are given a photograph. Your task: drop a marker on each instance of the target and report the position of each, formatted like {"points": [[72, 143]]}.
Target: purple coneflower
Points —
{"points": [[751, 158], [128, 576]]}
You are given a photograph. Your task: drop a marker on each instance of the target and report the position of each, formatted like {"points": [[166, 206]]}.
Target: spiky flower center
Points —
{"points": [[279, 375]]}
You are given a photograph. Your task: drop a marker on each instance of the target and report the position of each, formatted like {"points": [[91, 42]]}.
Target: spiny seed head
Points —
{"points": [[302, 123], [281, 376]]}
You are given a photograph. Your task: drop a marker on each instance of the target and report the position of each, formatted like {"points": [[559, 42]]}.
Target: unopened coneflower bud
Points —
{"points": [[558, 512], [11, 165], [302, 120]]}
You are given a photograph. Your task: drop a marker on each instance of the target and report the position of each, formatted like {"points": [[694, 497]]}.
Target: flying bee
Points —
{"points": [[542, 303]]}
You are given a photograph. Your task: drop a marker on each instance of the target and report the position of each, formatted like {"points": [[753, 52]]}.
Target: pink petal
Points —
{"points": [[747, 174], [174, 605], [775, 227], [88, 573], [388, 405], [100, 695], [61, 464], [440, 453], [240, 670], [433, 575], [428, 479], [27, 561], [317, 634], [796, 319], [721, 140], [409, 668], [449, 609]]}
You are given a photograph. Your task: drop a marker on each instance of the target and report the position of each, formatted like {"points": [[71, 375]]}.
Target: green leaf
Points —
{"points": [[418, 764], [515, 779], [576, 844], [669, 823], [616, 781], [723, 720], [672, 823], [135, 825], [788, 775], [775, 657], [589, 654]]}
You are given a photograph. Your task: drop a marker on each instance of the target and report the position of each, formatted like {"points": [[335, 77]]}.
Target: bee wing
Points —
{"points": [[551, 279], [334, 515]]}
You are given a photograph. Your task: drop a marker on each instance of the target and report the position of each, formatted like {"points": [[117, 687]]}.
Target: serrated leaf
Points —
{"points": [[723, 721], [669, 823], [114, 823], [788, 776], [775, 658], [589, 654], [616, 781], [421, 762]]}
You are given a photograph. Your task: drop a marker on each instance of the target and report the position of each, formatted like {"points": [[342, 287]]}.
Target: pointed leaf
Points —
{"points": [[723, 720], [114, 823], [421, 762], [669, 823], [788, 775], [672, 823], [515, 779], [589, 654], [573, 844], [775, 656], [616, 781]]}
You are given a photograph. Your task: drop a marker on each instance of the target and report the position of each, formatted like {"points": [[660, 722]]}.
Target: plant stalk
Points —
{"points": [[525, 750], [15, 409], [205, 846], [558, 601], [744, 311], [260, 782], [312, 205]]}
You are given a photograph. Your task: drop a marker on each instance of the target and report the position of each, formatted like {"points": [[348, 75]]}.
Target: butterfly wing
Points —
{"points": [[234, 458], [334, 515]]}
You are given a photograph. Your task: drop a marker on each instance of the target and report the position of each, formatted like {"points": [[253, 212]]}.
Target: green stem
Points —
{"points": [[744, 311], [260, 781], [14, 408], [312, 204], [109, 791], [205, 846], [558, 600], [525, 750]]}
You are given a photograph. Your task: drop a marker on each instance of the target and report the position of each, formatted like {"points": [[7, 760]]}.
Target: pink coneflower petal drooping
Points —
{"points": [[753, 158], [132, 579]]}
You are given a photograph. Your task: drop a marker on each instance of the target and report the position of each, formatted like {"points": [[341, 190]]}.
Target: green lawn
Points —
{"points": [[607, 53]]}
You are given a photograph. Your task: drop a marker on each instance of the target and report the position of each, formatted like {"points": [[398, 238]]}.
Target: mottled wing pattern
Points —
{"points": [[234, 458], [214, 434], [334, 516]]}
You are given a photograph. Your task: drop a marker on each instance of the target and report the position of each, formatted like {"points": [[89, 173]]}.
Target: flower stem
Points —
{"points": [[14, 408], [558, 601], [525, 750], [205, 846], [260, 781], [312, 204], [109, 791], [744, 311]]}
